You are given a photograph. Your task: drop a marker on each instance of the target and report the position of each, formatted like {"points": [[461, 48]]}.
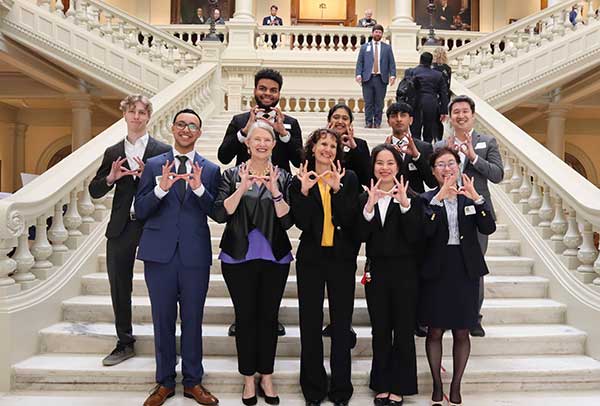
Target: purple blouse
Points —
{"points": [[258, 248]]}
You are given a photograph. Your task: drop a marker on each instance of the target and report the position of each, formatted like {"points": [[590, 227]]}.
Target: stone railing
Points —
{"points": [[193, 34], [519, 38], [305, 38], [559, 204], [451, 39], [61, 193], [100, 40]]}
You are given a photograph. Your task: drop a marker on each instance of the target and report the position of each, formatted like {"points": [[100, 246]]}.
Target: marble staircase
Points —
{"points": [[529, 344]]}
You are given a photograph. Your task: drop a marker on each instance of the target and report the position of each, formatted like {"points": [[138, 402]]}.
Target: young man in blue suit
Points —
{"points": [[175, 196], [375, 68]]}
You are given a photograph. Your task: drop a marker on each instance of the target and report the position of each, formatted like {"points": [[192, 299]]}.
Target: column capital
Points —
{"points": [[20, 129], [557, 110], [80, 100], [243, 11]]}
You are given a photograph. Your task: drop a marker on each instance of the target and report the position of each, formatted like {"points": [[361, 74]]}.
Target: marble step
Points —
{"points": [[498, 265], [220, 310], [521, 339], [495, 286], [85, 372]]}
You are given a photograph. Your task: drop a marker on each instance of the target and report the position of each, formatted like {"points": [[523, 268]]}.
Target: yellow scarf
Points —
{"points": [[327, 238]]}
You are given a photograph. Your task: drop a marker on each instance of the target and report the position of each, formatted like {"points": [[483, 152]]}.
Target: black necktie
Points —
{"points": [[180, 184]]}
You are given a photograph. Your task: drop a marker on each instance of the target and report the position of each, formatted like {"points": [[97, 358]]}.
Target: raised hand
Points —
{"points": [[245, 178], [468, 189], [307, 178], [141, 166], [195, 179], [251, 119], [399, 192], [117, 170], [374, 195], [469, 150], [168, 177], [271, 183], [448, 189], [348, 138], [410, 147], [333, 176]]}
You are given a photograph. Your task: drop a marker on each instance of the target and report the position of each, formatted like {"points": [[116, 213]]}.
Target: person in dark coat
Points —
{"points": [[432, 98], [440, 63], [452, 267], [391, 225]]}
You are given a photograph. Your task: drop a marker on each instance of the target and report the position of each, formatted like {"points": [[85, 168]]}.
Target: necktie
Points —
{"points": [[376, 58], [180, 184]]}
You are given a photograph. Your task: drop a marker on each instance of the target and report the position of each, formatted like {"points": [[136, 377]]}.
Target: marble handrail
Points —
{"points": [[451, 39]]}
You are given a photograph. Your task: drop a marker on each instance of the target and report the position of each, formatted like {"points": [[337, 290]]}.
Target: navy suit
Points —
{"points": [[374, 86], [176, 249]]}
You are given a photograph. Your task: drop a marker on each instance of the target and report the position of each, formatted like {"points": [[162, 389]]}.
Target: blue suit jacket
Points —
{"points": [[176, 220], [364, 63]]}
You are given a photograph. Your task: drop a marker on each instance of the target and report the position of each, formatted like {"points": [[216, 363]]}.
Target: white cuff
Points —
{"points": [[158, 192], [403, 209], [368, 216], [475, 160], [416, 158], [436, 202], [286, 138], [200, 191], [480, 201], [241, 137]]}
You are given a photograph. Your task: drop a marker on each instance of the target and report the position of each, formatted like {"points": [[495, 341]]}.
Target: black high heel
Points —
{"points": [[248, 401], [271, 400]]}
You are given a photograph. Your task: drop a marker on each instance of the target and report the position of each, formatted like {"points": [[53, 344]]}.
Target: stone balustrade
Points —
{"points": [[48, 220], [519, 38], [193, 34], [450, 39], [559, 204]]}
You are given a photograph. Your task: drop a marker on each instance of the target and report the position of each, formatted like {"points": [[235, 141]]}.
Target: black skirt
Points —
{"points": [[450, 301]]}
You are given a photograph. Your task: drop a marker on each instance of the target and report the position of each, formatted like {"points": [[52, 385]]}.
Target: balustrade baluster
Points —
{"points": [[521, 45], [596, 269], [534, 202], [59, 8], [107, 29], [566, 21], [25, 261], [587, 254], [142, 47], [579, 18], [8, 286], [558, 226], [590, 10], [81, 12], [100, 209], [45, 4], [119, 35], [545, 213], [73, 220], [525, 191], [557, 26], [572, 240], [460, 67], [41, 249], [86, 209], [508, 172], [93, 18], [472, 64], [532, 40], [71, 12], [58, 234], [515, 182]]}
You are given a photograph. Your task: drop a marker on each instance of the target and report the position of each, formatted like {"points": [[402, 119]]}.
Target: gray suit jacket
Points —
{"points": [[489, 165]]}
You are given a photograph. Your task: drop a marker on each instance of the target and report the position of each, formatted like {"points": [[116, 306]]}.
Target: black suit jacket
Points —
{"points": [[255, 210], [359, 161], [419, 171], [283, 152], [267, 21], [431, 87], [126, 187], [436, 234], [308, 217]]}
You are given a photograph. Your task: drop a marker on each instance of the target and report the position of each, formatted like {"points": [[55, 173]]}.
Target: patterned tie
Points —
{"points": [[180, 184], [376, 58]]}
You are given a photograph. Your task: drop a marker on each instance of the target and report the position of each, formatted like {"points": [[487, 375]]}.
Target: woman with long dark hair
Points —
{"points": [[323, 199]]}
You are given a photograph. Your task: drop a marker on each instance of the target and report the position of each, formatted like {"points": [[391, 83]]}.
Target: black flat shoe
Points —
{"points": [[271, 400], [381, 401], [421, 331], [280, 329], [395, 402], [249, 401], [340, 403], [231, 330]]}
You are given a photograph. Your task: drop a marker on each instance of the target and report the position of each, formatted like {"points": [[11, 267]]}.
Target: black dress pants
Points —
{"points": [[120, 258], [392, 300], [426, 117], [339, 278], [256, 288]]}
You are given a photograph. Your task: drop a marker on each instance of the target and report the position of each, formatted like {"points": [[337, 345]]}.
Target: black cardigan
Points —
{"points": [[255, 210]]}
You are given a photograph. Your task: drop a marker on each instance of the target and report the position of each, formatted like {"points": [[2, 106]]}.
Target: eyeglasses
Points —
{"points": [[444, 165], [182, 125]]}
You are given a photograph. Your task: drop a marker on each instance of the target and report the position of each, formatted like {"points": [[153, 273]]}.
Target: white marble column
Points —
{"points": [[555, 137], [403, 12], [19, 153], [81, 112], [243, 11]]}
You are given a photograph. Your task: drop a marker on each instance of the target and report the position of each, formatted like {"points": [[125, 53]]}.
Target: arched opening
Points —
{"points": [[59, 156]]}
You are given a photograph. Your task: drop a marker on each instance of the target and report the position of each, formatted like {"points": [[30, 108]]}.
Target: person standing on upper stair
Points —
{"points": [[121, 168]]}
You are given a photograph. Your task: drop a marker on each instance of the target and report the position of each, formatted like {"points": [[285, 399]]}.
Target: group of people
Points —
{"points": [[424, 212]]}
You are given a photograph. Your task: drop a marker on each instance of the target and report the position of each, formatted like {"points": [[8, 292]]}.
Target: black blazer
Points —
{"points": [[308, 217], [431, 88], [401, 235], [126, 186], [436, 234], [359, 161], [267, 20], [283, 153], [419, 171], [255, 210]]}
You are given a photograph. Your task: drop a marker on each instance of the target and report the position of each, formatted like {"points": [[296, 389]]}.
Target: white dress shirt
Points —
{"points": [[404, 140], [137, 149], [383, 204], [188, 165], [378, 45]]}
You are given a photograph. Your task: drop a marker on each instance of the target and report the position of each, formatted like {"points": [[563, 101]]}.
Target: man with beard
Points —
{"points": [[288, 148]]}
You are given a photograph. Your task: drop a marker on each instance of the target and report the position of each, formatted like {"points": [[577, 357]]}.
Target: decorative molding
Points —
{"points": [[585, 160], [50, 151]]}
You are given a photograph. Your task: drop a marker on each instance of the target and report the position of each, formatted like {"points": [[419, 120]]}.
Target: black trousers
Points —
{"points": [[483, 244], [426, 117], [120, 258], [256, 288], [392, 302], [340, 279]]}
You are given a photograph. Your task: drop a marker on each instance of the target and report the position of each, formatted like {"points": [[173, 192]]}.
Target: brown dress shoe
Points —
{"points": [[201, 395], [158, 395]]}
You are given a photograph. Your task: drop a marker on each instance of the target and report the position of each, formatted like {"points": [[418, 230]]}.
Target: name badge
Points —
{"points": [[157, 179], [287, 126], [481, 145], [346, 148], [411, 167], [469, 210], [368, 48]]}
